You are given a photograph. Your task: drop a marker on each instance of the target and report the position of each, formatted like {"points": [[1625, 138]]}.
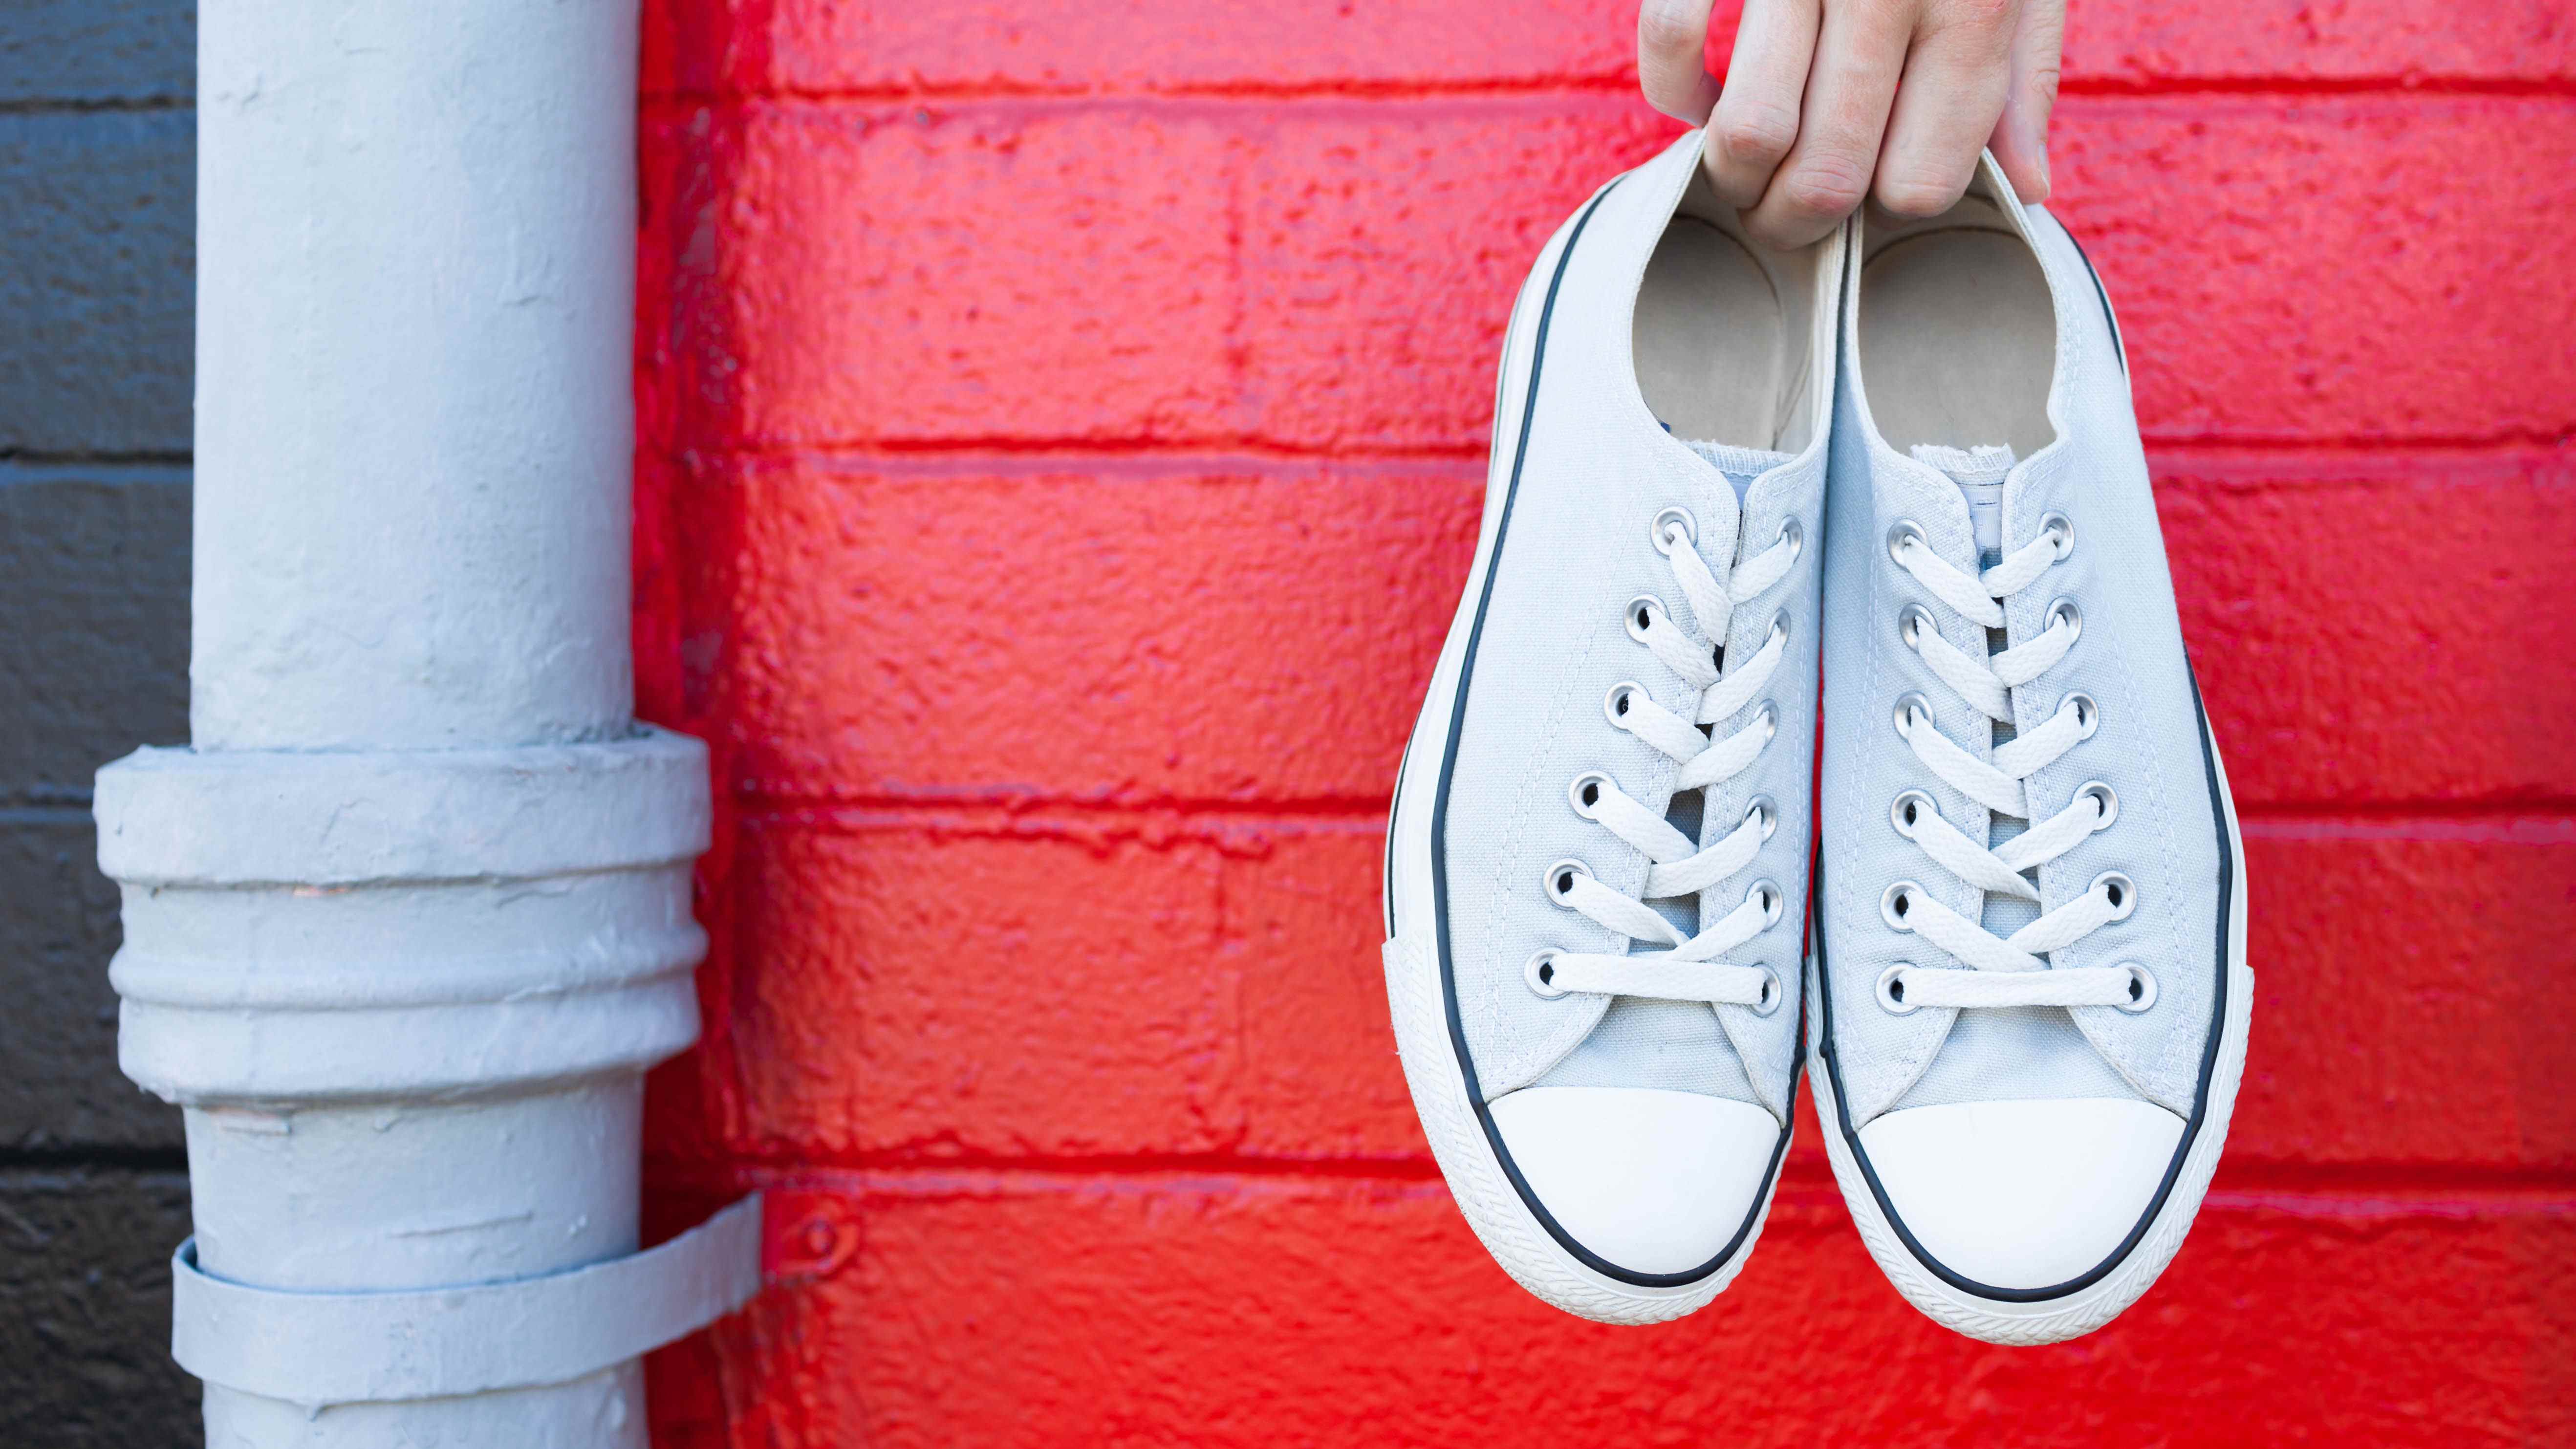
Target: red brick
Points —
{"points": [[1334, 276], [1101, 986], [2380, 628], [800, 46], [2410, 995], [2333, 267], [1199, 273], [1009, 1310], [1200, 631], [817, 46], [2411, 42], [1054, 985], [1203, 630]]}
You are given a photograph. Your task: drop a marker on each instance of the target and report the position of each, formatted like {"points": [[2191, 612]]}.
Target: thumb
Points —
{"points": [[2021, 136]]}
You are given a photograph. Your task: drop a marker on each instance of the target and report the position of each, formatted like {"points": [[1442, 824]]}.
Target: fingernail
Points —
{"points": [[2036, 147]]}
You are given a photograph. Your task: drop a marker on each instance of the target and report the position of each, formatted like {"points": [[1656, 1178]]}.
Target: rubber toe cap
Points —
{"points": [[1648, 1180], [2022, 1195]]}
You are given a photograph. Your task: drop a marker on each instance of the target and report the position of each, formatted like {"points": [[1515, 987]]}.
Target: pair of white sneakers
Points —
{"points": [[1903, 460]]}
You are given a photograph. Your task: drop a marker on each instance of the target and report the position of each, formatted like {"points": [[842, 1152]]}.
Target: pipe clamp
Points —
{"points": [[341, 1348]]}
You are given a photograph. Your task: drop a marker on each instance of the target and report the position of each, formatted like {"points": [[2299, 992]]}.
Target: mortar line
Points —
{"points": [[1617, 83]]}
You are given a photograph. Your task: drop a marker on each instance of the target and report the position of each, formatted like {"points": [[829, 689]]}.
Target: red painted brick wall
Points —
{"points": [[1061, 449]]}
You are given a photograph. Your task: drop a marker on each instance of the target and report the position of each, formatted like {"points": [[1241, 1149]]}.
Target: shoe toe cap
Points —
{"points": [[1651, 1181], [2022, 1195]]}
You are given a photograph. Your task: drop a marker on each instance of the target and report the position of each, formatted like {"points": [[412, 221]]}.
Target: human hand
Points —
{"points": [[1829, 103]]}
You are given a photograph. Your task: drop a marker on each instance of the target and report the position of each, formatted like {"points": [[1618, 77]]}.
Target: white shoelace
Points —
{"points": [[2007, 971], [1690, 969]]}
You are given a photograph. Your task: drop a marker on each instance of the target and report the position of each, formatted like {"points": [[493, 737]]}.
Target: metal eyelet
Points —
{"points": [[2105, 798], [1906, 704], [1585, 793], [2088, 715], [1912, 623], [1900, 531], [1663, 528], [2123, 893], [2142, 988], [1770, 721], [1891, 989], [1772, 994], [1779, 630], [1774, 901], [1794, 534], [2061, 528], [1540, 973], [2065, 609], [1909, 808], [1641, 615], [1896, 902], [1618, 701], [1560, 878], [1766, 810]]}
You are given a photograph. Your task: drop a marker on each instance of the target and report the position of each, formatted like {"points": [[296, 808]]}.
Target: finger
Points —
{"points": [[1947, 104], [1757, 115], [1860, 50], [2021, 137], [1672, 58]]}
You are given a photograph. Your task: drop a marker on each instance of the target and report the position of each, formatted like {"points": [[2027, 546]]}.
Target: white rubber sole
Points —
{"points": [[2058, 1319], [1493, 1207]]}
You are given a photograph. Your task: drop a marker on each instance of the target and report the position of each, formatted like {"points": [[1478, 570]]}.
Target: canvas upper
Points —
{"points": [[2018, 1153], [1642, 1132]]}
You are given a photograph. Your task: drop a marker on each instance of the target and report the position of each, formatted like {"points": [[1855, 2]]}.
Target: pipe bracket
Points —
{"points": [[319, 1349]]}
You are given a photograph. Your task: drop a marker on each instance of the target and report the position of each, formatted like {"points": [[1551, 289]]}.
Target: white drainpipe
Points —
{"points": [[407, 922]]}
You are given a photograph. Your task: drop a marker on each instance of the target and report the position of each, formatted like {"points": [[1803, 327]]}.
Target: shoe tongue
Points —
{"points": [[1740, 465], [1979, 472]]}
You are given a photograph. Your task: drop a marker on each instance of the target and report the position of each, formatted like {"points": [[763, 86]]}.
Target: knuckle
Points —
{"points": [[1916, 196], [1824, 187], [1756, 133]]}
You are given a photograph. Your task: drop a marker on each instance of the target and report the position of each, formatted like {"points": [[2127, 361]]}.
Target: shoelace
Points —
{"points": [[1690, 968], [2008, 970]]}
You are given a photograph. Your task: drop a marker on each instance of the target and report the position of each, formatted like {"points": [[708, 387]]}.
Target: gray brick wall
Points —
{"points": [[97, 191]]}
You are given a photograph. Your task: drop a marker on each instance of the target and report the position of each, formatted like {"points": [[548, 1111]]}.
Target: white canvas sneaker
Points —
{"points": [[1599, 842], [2031, 989]]}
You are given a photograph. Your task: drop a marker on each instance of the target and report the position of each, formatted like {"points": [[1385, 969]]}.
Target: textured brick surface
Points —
{"points": [[1062, 438], [1249, 631], [60, 1090], [1379, 46], [1074, 987], [805, 46], [2381, 626], [95, 257], [1335, 278], [2294, 268], [2273, 43], [92, 52], [2406, 993], [1084, 985], [1214, 273], [96, 200], [1000, 1310], [1199, 632], [96, 558], [85, 1272]]}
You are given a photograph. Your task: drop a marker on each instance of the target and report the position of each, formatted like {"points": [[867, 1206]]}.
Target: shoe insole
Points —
{"points": [[1958, 338], [1713, 340]]}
